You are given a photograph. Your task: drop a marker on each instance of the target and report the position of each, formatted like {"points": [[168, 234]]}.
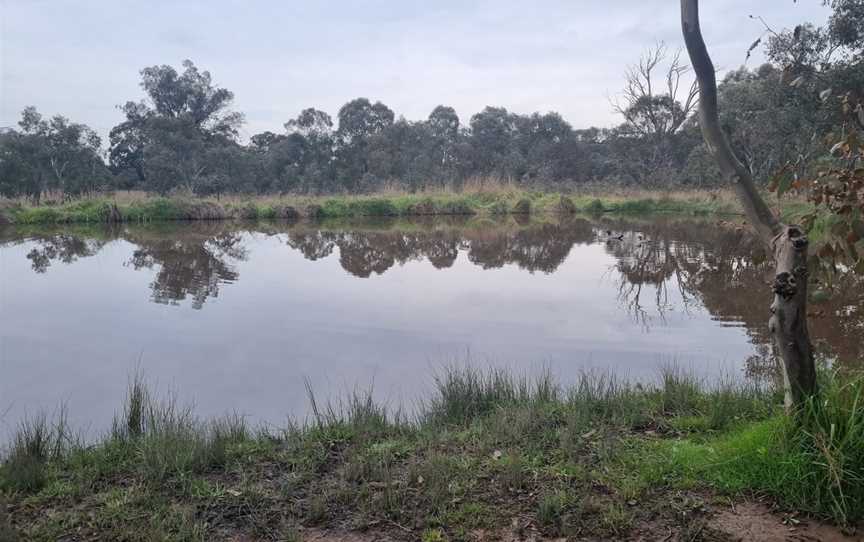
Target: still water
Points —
{"points": [[237, 316]]}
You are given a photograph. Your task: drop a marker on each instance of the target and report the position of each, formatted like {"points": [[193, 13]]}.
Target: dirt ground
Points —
{"points": [[743, 522]]}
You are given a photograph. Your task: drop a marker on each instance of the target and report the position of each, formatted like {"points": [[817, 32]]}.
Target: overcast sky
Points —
{"points": [[82, 58]]}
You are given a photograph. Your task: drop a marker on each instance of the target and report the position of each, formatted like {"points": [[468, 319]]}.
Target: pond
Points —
{"points": [[241, 317]]}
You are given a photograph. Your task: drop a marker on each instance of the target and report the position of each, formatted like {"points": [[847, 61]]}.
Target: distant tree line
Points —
{"points": [[183, 136]]}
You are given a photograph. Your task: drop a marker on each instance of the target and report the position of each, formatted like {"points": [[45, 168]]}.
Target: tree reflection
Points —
{"points": [[538, 247], [660, 265], [724, 270], [62, 248], [189, 266]]}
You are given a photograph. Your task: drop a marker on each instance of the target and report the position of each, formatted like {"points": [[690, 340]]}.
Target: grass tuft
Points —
{"points": [[36, 441]]}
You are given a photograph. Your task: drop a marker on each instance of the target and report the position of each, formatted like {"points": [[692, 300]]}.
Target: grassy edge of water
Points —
{"points": [[594, 459], [498, 202]]}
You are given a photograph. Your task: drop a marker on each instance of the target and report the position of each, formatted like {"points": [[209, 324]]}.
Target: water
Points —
{"points": [[236, 316]]}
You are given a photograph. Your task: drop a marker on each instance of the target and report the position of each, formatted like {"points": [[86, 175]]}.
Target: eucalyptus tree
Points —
{"points": [[788, 243], [311, 134], [770, 122], [492, 133], [50, 155], [444, 125], [170, 137], [359, 121]]}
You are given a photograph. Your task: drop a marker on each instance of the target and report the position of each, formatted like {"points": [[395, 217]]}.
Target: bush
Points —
{"points": [[595, 207], [375, 207]]}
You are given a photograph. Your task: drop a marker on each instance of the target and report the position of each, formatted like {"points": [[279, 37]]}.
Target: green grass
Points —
{"points": [[813, 464], [486, 447], [494, 201]]}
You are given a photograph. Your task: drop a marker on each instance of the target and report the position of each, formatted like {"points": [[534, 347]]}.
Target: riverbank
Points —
{"points": [[138, 207], [488, 456]]}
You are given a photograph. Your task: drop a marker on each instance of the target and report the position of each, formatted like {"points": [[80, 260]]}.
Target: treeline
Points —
{"points": [[183, 136]]}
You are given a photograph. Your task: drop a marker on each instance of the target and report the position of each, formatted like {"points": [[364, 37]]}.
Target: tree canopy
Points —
{"points": [[182, 134]]}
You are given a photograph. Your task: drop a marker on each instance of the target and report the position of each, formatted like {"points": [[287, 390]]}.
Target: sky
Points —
{"points": [[82, 58]]}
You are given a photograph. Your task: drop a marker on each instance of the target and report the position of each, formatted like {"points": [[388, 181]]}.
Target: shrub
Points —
{"points": [[595, 207]]}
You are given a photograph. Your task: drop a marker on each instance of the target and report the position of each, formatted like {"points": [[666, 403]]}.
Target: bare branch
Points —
{"points": [[648, 111]]}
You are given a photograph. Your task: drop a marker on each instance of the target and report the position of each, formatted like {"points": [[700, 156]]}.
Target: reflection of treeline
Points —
{"points": [[538, 247], [705, 264], [190, 262]]}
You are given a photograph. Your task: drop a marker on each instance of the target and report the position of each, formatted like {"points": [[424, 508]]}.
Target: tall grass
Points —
{"points": [[169, 440], [357, 412], [462, 393], [37, 440], [828, 442], [481, 196], [602, 397], [813, 462], [728, 434]]}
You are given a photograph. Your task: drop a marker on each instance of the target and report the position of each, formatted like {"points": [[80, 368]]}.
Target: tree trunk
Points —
{"points": [[788, 323]]}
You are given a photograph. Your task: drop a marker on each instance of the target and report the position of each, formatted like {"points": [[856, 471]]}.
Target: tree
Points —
{"points": [[54, 154], [311, 123], [191, 96], [846, 25], [169, 140], [650, 146], [492, 135], [770, 123], [312, 131], [443, 124], [788, 323], [652, 110], [359, 121]]}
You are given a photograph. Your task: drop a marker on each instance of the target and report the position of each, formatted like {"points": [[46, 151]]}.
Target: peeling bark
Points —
{"points": [[788, 323]]}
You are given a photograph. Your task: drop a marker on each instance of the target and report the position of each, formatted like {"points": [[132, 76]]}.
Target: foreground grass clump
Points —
{"points": [[36, 442], [814, 464], [597, 458]]}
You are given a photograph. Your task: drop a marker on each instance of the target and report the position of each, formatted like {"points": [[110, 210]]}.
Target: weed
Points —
{"points": [[432, 535], [550, 510], [680, 390]]}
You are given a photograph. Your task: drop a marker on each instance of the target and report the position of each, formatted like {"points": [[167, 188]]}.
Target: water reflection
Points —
{"points": [[539, 247], [659, 265], [190, 265], [63, 248]]}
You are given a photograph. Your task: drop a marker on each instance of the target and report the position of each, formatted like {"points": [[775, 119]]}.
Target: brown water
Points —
{"points": [[235, 316]]}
